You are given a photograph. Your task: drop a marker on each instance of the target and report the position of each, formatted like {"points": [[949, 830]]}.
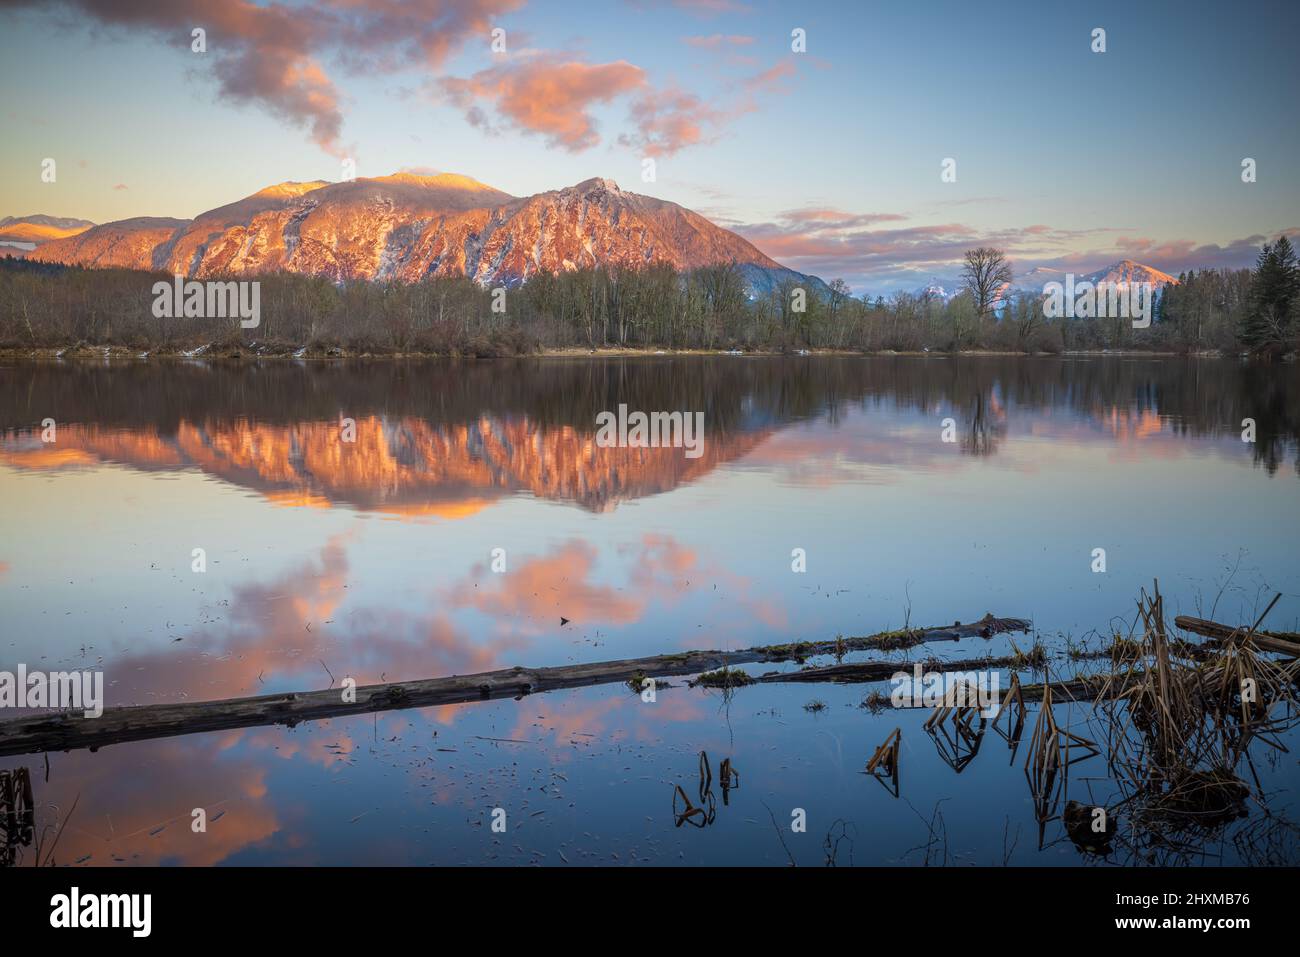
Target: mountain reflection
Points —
{"points": [[445, 439]]}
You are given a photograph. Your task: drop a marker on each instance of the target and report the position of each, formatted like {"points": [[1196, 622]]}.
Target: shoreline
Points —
{"points": [[301, 354]]}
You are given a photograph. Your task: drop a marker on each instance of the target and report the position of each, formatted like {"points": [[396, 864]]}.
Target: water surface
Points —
{"points": [[373, 559]]}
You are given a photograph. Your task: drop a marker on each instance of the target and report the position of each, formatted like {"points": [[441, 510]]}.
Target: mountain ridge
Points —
{"points": [[409, 226], [1121, 272], [25, 232]]}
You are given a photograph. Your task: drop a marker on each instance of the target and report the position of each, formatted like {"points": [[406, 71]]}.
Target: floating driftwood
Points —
{"points": [[66, 731], [1283, 643]]}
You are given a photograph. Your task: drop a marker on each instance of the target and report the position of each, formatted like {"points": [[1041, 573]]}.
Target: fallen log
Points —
{"points": [[986, 627], [1283, 643], [859, 672], [1079, 688], [65, 731]]}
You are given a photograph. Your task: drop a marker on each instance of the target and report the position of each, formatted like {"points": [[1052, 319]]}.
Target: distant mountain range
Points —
{"points": [[28, 232], [1034, 280], [1120, 273], [408, 226]]}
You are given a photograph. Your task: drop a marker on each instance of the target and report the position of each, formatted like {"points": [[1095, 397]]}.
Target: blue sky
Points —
{"points": [[829, 160]]}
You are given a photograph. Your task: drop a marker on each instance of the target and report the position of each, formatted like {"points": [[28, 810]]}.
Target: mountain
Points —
{"points": [[28, 232], [942, 289], [763, 280], [401, 465], [126, 244], [1035, 279], [408, 226], [1121, 273], [1127, 271]]}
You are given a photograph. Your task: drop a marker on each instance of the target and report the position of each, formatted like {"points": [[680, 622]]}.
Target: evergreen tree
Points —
{"points": [[1274, 290]]}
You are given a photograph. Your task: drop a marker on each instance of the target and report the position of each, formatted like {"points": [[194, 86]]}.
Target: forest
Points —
{"points": [[45, 307]]}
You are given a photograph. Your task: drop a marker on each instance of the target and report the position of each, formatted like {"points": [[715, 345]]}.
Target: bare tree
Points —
{"points": [[985, 274], [1026, 313], [840, 293]]}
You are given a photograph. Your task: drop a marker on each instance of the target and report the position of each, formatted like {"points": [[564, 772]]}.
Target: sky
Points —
{"points": [[828, 158]]}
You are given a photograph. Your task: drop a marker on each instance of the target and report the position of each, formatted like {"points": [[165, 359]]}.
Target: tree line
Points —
{"points": [[656, 307]]}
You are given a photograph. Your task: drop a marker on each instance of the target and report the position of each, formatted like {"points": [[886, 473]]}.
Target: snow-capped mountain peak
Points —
{"points": [[409, 226]]}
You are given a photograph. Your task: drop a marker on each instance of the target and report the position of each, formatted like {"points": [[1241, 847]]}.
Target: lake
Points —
{"points": [[473, 522]]}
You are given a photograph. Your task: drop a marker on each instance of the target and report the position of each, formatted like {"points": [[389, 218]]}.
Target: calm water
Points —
{"points": [[373, 559]]}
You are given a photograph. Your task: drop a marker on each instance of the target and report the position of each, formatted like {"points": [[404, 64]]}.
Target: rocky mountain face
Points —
{"points": [[127, 244], [406, 227]]}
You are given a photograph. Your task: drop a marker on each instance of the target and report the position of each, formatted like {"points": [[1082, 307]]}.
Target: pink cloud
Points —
{"points": [[1178, 253], [670, 121], [711, 8], [705, 9], [277, 57], [828, 217], [553, 95], [546, 96], [270, 55], [718, 40], [831, 242], [771, 78]]}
